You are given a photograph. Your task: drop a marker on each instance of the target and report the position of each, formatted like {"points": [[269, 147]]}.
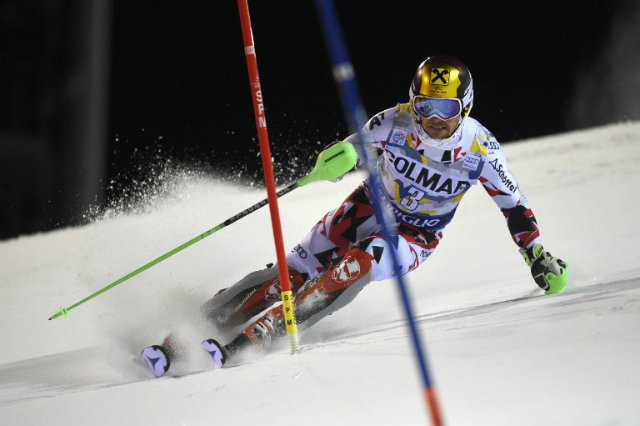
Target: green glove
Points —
{"points": [[550, 273]]}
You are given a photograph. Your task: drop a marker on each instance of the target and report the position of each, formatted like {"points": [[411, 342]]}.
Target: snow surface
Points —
{"points": [[497, 355]]}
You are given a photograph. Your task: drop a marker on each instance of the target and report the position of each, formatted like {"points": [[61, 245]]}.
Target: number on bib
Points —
{"points": [[411, 201]]}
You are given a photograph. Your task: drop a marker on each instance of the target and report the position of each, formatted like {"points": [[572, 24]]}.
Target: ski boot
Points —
{"points": [[259, 334], [232, 307]]}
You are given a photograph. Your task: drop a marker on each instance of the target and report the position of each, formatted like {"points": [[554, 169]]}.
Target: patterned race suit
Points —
{"points": [[424, 186]]}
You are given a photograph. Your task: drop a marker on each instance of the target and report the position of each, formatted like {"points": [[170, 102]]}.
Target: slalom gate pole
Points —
{"points": [[332, 163], [263, 137], [344, 76]]}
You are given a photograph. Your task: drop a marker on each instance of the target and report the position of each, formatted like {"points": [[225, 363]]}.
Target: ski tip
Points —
{"points": [[156, 359], [216, 350]]}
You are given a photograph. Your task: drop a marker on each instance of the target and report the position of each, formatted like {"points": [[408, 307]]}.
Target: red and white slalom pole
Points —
{"points": [[267, 166]]}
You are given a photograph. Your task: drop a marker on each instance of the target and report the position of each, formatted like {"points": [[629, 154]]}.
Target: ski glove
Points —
{"points": [[550, 273]]}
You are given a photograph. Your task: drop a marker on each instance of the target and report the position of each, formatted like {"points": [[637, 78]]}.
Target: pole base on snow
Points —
{"points": [[62, 313]]}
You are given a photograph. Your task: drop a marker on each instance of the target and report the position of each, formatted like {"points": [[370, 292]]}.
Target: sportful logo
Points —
{"points": [[440, 76]]}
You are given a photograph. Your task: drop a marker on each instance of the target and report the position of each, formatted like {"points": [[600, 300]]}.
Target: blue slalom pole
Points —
{"points": [[356, 117]]}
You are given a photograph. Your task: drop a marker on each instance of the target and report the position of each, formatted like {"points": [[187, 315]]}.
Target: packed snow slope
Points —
{"points": [[500, 352]]}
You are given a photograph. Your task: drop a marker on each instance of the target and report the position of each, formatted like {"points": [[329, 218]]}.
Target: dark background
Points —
{"points": [[97, 96]]}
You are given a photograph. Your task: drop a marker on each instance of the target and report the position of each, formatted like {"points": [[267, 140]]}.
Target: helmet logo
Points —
{"points": [[440, 76]]}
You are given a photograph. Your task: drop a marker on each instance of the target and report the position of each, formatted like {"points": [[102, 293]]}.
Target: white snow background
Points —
{"points": [[498, 356]]}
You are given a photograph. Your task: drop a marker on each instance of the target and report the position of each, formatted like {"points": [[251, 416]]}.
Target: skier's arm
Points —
{"points": [[550, 273], [374, 132], [501, 185]]}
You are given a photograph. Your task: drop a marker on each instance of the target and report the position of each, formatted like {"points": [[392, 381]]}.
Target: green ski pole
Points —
{"points": [[332, 163]]}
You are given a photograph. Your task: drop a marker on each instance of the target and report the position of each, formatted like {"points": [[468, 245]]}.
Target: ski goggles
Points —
{"points": [[443, 108]]}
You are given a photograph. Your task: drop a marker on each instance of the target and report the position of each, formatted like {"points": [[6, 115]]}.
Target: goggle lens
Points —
{"points": [[443, 108]]}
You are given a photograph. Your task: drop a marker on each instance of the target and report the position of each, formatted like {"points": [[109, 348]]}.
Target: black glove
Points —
{"points": [[550, 273]]}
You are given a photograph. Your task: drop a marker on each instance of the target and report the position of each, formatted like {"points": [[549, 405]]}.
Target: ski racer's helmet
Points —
{"points": [[442, 87]]}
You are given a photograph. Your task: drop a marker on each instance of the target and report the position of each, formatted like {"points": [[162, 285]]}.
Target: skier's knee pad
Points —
{"points": [[336, 288]]}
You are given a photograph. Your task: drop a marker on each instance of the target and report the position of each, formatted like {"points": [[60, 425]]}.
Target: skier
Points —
{"points": [[430, 152]]}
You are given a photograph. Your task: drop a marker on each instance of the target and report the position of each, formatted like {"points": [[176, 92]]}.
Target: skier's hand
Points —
{"points": [[550, 273]]}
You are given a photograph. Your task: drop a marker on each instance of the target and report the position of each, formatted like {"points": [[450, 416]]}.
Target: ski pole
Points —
{"points": [[332, 163], [344, 77]]}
